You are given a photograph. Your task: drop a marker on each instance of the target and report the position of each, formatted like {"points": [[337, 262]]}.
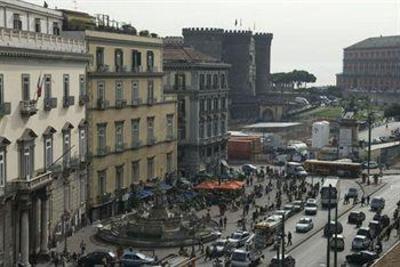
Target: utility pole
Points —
{"points": [[369, 141], [283, 241], [328, 260], [336, 230]]}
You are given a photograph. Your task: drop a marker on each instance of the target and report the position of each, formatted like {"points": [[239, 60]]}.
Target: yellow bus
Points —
{"points": [[333, 168]]}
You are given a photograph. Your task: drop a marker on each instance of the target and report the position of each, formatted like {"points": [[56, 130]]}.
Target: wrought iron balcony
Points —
{"points": [[137, 101], [151, 140], [102, 103], [68, 101], [170, 137], [120, 103], [50, 103], [5, 108], [83, 99], [102, 151], [136, 144], [28, 107], [119, 147], [103, 68], [137, 69], [151, 101], [37, 182]]}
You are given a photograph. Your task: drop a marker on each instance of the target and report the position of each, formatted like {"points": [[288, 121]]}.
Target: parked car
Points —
{"points": [[245, 258], [304, 225], [362, 257], [290, 209], [298, 205], [97, 257], [360, 242], [377, 203], [356, 217], [132, 258], [311, 207], [352, 192], [372, 164], [221, 247], [338, 242], [364, 231], [329, 228], [375, 228], [239, 238], [282, 213]]}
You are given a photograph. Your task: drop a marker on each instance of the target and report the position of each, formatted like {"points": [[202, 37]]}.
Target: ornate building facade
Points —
{"points": [[42, 131], [132, 124], [201, 85]]}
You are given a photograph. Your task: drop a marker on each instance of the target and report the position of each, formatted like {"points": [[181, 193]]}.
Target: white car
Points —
{"points": [[304, 225], [311, 207], [239, 238]]}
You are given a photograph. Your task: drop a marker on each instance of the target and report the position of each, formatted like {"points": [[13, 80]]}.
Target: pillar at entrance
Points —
{"points": [[36, 210], [25, 238], [44, 241]]}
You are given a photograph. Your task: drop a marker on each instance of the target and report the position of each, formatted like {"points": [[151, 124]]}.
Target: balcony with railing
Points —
{"points": [[137, 102], [83, 99], [50, 103], [5, 108], [103, 150], [104, 198], [28, 107], [34, 183], [136, 144], [120, 103], [102, 104], [151, 140], [120, 147], [151, 101], [68, 101], [40, 41]]}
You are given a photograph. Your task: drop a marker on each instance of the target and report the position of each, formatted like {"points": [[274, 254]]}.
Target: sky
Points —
{"points": [[308, 34]]}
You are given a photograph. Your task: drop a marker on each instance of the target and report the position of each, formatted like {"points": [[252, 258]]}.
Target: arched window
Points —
{"points": [[215, 81], [150, 60], [119, 60]]}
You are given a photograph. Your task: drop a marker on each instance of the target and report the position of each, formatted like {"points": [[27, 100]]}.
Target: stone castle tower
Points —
{"points": [[250, 58]]}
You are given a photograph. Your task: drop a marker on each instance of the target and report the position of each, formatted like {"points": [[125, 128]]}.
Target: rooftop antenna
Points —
{"points": [[75, 2]]}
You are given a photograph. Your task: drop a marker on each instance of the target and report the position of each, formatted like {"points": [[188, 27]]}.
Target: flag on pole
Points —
{"points": [[236, 22], [240, 23], [39, 86]]}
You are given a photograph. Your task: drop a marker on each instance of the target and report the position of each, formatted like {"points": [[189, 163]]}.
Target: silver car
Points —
{"points": [[304, 225]]}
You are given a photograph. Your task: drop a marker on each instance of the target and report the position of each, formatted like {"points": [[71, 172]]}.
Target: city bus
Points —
{"points": [[336, 168], [265, 231], [331, 198]]}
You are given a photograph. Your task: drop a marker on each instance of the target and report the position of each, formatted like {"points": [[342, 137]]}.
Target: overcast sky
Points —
{"points": [[308, 34]]}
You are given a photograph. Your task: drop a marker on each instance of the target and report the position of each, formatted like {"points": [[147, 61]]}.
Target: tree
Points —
{"points": [[295, 78], [392, 111]]}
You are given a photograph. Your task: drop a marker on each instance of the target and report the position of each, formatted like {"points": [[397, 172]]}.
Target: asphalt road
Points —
{"points": [[379, 131], [313, 251]]}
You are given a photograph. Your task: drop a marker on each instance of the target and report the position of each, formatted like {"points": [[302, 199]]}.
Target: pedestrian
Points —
{"points": [[368, 197], [289, 239], [225, 222], [83, 247], [208, 253], [389, 231], [221, 223], [362, 201], [201, 245]]}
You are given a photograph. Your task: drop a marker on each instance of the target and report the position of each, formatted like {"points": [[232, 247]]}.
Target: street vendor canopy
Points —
{"points": [[215, 185]]}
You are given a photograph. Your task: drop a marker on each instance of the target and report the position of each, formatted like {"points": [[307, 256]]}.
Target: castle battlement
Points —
{"points": [[238, 32], [264, 38], [173, 40], [202, 30]]}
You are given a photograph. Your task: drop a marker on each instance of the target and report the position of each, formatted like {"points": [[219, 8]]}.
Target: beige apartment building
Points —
{"points": [[42, 131], [132, 125]]}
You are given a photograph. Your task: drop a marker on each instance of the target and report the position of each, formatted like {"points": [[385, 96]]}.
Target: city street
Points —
{"points": [[306, 255], [379, 131]]}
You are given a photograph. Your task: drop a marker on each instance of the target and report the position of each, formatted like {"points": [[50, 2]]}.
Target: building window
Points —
{"points": [[150, 128], [136, 60], [82, 85], [66, 85], [202, 105], [180, 81], [201, 81], [119, 91], [1, 89], [101, 90], [82, 143], [215, 103], [150, 60], [47, 86], [2, 168], [99, 57], [181, 106], [209, 128], [215, 81], [201, 129], [27, 152], [17, 22], [223, 81], [135, 171], [169, 162], [38, 25], [208, 85], [135, 132], [170, 125], [215, 126], [223, 103], [150, 90], [223, 127], [83, 188], [135, 91], [101, 137], [66, 148], [102, 175], [119, 177], [119, 60], [56, 28], [119, 135], [26, 92], [150, 168], [209, 104], [48, 152]]}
